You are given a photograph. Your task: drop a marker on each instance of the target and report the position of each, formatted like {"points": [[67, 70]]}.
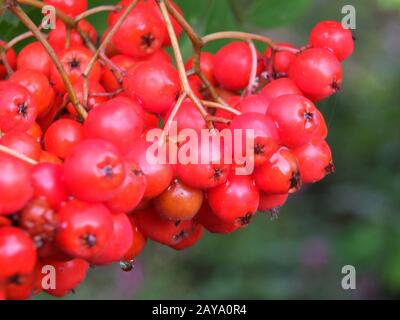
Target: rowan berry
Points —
{"points": [[37, 53]]}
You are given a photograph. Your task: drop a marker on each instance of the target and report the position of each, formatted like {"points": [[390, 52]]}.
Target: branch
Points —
{"points": [[22, 16], [216, 105], [95, 10], [253, 74], [22, 37], [3, 56], [17, 155]]}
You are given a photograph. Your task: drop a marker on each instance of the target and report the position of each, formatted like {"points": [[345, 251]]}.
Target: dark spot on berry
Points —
{"points": [[15, 279], [335, 86], [147, 40], [308, 116], [218, 172], [245, 221], [90, 240], [108, 171], [23, 109], [354, 38], [127, 266], [181, 235], [295, 181], [177, 223], [259, 149], [330, 168], [74, 63], [137, 172]]}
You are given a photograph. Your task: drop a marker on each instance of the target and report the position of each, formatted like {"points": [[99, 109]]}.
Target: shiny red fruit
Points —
{"points": [[191, 239], [94, 170], [282, 59], [69, 7], [37, 53], [22, 143], [278, 88], [138, 242], [271, 201], [206, 66], [209, 220]]}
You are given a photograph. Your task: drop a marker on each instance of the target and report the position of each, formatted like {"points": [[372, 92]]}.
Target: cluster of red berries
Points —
{"points": [[89, 195]]}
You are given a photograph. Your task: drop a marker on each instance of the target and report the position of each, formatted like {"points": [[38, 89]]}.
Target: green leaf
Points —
{"points": [[273, 13]]}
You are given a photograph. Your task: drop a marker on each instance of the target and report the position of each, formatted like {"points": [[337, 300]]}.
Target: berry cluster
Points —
{"points": [[77, 187]]}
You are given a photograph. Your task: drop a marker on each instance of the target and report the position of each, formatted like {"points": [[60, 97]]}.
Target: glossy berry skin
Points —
{"points": [[58, 37], [69, 275], [34, 52], [21, 287], [298, 120], [141, 34], [69, 7], [333, 36], [271, 201], [280, 175], [39, 87], [119, 121], [266, 138], [232, 65], [283, 59], [74, 60], [205, 167], [255, 103], [317, 72], [17, 253], [94, 170], [35, 132], [188, 117], [162, 230], [62, 136], [17, 108], [155, 83], [108, 79], [84, 228], [131, 192], [48, 183], [118, 244], [209, 220], [191, 239], [236, 200], [15, 184], [278, 88], [138, 241], [23, 144], [206, 66], [315, 160], [93, 101], [11, 58], [179, 201], [159, 175]]}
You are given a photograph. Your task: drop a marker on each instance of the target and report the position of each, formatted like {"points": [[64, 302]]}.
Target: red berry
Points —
{"points": [[17, 108], [315, 161], [206, 66], [280, 175], [94, 170], [39, 87], [70, 7], [21, 287], [191, 239], [317, 72], [48, 157], [233, 64], [93, 101], [11, 59], [188, 116], [236, 200], [282, 59], [119, 242], [48, 183], [280, 87], [266, 139], [255, 103], [204, 167], [108, 79], [119, 121], [158, 175], [62, 136], [74, 60], [37, 53], [141, 34], [23, 144], [138, 242], [58, 37], [333, 36], [297, 119], [161, 230], [84, 228], [214, 224], [17, 253], [131, 192], [35, 131], [155, 83], [69, 275], [15, 184], [271, 201], [179, 201]]}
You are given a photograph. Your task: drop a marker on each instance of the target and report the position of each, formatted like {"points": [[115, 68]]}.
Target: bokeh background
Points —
{"points": [[351, 218]]}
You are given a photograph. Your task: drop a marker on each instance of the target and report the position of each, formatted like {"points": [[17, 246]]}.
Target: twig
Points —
{"points": [[22, 37], [216, 105], [3, 56], [171, 117], [23, 17], [253, 74], [18, 155], [95, 10]]}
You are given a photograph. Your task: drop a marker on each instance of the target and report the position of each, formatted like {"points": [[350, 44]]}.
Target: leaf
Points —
{"points": [[273, 13]]}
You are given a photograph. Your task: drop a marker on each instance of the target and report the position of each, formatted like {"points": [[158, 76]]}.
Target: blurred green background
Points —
{"points": [[351, 218]]}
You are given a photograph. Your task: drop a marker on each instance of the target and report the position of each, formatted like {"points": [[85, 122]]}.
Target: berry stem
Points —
{"points": [[253, 74], [101, 49], [168, 123], [197, 44], [24, 18], [216, 105], [96, 10], [180, 64], [18, 155], [3, 56], [22, 37]]}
